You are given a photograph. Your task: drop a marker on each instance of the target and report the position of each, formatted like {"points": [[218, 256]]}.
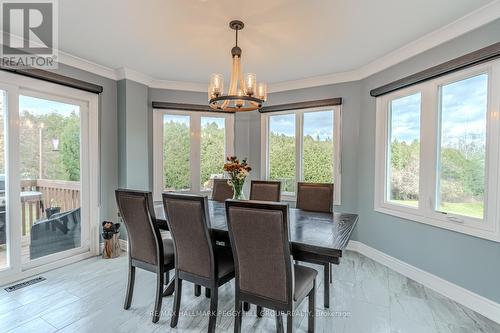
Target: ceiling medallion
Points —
{"points": [[244, 94]]}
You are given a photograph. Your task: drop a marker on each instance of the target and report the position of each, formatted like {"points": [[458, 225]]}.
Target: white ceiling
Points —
{"points": [[283, 40]]}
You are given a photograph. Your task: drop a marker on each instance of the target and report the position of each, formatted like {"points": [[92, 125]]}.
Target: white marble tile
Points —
{"points": [[368, 318], [411, 312], [365, 297], [37, 325]]}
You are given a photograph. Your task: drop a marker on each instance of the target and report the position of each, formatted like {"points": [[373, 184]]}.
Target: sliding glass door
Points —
{"points": [[4, 225], [48, 176], [50, 165]]}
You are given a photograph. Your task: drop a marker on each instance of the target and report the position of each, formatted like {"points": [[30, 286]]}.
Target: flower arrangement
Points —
{"points": [[237, 171]]}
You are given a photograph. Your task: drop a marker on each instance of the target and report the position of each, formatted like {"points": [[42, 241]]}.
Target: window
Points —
{"points": [[190, 149], [282, 150], [437, 151], [302, 145], [462, 147], [176, 149], [213, 155], [404, 150]]}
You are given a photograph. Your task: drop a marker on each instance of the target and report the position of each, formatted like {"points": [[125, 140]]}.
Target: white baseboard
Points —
{"points": [[467, 298]]}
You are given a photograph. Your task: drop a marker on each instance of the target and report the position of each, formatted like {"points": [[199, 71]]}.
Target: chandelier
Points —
{"points": [[244, 94]]}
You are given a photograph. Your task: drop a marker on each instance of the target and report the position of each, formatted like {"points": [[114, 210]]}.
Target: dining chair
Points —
{"points": [[265, 275], [221, 190], [197, 258], [265, 190], [316, 197], [146, 248]]}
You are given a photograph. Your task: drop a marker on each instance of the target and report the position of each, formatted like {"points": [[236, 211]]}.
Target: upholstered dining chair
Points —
{"points": [[265, 275], [316, 197], [221, 190], [197, 258], [265, 190], [146, 248]]}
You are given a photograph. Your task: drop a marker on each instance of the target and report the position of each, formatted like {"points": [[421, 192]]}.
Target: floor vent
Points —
{"points": [[25, 284]]}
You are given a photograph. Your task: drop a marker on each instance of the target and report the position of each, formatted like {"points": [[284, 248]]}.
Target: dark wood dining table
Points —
{"points": [[319, 238]]}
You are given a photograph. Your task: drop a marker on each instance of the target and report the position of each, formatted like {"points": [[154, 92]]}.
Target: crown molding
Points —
{"points": [[469, 22], [86, 65]]}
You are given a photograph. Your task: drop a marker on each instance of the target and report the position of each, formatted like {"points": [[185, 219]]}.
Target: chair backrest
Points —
{"points": [[260, 242], [265, 190], [188, 222], [221, 190], [144, 238], [315, 197]]}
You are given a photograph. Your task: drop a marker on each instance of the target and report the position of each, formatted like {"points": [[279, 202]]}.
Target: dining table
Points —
{"points": [[318, 238]]}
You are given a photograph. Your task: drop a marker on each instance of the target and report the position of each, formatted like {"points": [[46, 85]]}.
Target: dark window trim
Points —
{"points": [[468, 60], [302, 105], [52, 77], [185, 107]]}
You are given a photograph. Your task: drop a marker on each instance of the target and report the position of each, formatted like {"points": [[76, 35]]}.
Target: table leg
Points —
{"points": [[246, 306], [326, 282]]}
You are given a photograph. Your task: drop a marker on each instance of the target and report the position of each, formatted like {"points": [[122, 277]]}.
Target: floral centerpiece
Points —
{"points": [[237, 172]]}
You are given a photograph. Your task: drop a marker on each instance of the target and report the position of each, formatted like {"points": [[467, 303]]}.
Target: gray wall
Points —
{"points": [[467, 261], [134, 144], [108, 137]]}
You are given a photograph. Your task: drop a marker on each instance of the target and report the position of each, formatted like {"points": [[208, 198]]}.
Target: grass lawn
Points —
{"points": [[472, 209]]}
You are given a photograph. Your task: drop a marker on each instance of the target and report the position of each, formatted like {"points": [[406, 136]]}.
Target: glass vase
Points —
{"points": [[238, 190]]}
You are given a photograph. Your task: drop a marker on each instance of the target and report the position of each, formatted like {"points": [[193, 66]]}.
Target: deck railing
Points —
{"points": [[39, 194]]}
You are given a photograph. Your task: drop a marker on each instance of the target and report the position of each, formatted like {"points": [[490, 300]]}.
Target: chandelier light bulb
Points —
{"points": [[262, 91], [250, 84]]}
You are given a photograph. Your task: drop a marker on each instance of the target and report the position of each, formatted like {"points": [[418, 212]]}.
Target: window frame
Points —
{"points": [[195, 146], [299, 123], [427, 211]]}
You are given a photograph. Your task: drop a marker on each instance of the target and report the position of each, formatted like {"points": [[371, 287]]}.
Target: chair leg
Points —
{"points": [[197, 290], [167, 277], [289, 322], [177, 302], [207, 292], [311, 316], [130, 287], [331, 273], [213, 310], [159, 296], [259, 311], [279, 322], [238, 314], [246, 306], [326, 269]]}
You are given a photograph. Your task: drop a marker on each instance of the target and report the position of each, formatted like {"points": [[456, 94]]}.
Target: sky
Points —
{"points": [[37, 106], [463, 113], [316, 124]]}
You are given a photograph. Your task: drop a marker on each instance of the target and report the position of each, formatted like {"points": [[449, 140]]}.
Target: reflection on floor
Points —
{"points": [[366, 297]]}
